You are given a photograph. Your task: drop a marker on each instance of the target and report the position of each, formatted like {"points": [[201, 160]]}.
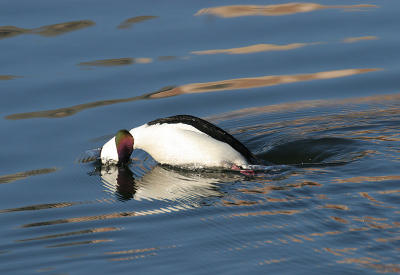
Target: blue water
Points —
{"points": [[310, 86]]}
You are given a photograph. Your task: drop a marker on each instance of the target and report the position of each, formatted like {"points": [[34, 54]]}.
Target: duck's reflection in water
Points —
{"points": [[162, 183]]}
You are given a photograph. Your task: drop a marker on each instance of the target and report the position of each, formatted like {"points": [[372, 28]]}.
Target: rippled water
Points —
{"points": [[310, 87]]}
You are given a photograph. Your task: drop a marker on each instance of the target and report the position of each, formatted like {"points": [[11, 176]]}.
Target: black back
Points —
{"points": [[209, 129]]}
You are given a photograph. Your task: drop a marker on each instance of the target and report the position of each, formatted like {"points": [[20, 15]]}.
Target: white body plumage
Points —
{"points": [[179, 144]]}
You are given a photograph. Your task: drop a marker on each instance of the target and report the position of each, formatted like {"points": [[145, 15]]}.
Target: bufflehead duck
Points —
{"points": [[181, 140]]}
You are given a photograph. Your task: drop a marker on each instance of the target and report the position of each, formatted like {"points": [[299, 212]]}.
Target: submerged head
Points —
{"points": [[124, 144]]}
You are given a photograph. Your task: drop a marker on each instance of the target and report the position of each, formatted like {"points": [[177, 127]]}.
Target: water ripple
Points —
{"points": [[22, 175], [194, 88], [47, 31], [254, 49], [128, 23]]}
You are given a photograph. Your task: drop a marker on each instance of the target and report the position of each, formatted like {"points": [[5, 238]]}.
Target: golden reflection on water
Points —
{"points": [[388, 240], [133, 20], [256, 82], [253, 49], [389, 192], [8, 77], [357, 39], [273, 10], [23, 175], [367, 179], [336, 206], [47, 31], [272, 261], [369, 197], [371, 263], [69, 111], [231, 84]]}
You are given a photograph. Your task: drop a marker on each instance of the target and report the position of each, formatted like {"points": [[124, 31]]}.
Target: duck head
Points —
{"points": [[118, 149], [124, 144]]}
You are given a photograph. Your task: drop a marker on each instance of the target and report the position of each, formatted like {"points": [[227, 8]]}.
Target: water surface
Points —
{"points": [[311, 87]]}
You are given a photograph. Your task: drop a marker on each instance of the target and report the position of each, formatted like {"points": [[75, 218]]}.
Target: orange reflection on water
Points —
{"points": [[389, 192], [363, 260], [273, 10], [253, 49], [8, 77], [23, 175], [369, 219], [69, 111], [272, 261], [371, 263], [336, 206], [386, 240], [340, 251], [256, 82], [338, 219], [367, 179], [258, 190], [369, 197], [231, 84], [237, 202], [357, 39], [326, 233], [48, 30]]}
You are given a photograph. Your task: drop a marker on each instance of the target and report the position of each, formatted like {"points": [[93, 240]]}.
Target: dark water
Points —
{"points": [[310, 86]]}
